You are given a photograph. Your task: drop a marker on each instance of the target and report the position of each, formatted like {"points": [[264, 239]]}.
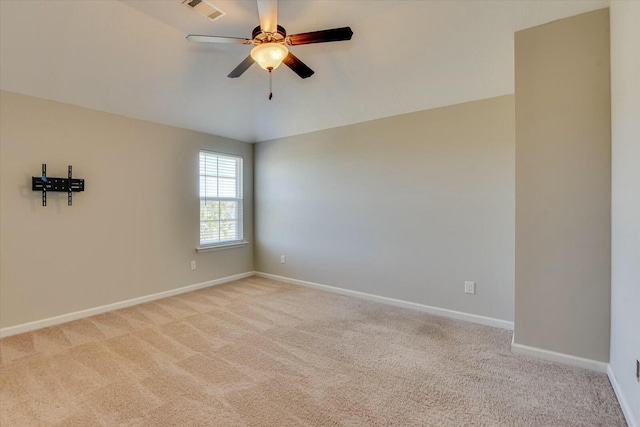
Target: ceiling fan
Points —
{"points": [[270, 42]]}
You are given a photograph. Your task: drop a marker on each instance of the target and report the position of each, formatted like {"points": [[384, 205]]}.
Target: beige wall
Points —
{"points": [[131, 233], [563, 154], [625, 250], [407, 207]]}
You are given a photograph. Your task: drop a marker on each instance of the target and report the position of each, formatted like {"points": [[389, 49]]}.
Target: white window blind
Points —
{"points": [[220, 199]]}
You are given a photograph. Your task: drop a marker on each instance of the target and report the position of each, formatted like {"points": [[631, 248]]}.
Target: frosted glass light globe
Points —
{"points": [[269, 55]]}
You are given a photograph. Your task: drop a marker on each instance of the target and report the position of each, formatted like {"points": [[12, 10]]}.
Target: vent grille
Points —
{"points": [[205, 8]]}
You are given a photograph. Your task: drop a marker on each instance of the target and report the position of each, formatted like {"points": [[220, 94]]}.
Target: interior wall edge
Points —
{"points": [[459, 315], [554, 356], [69, 317], [563, 186], [622, 399]]}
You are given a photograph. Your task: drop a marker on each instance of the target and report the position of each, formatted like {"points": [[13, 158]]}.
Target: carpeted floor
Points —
{"points": [[262, 353]]}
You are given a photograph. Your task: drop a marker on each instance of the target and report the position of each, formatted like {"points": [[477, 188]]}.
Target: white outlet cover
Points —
{"points": [[193, 265], [283, 259], [469, 287]]}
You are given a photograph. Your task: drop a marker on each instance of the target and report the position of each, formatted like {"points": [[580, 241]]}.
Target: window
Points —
{"points": [[220, 199]]}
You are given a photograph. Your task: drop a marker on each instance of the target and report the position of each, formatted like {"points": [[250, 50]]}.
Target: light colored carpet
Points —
{"points": [[262, 353]]}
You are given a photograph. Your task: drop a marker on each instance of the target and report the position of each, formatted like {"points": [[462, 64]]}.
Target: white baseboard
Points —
{"points": [[624, 404], [483, 320], [51, 321], [553, 356]]}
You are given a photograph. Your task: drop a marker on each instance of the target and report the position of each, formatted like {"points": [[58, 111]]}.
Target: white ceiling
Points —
{"points": [[131, 57]]}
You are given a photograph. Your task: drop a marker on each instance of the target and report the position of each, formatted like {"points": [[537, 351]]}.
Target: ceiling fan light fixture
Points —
{"points": [[269, 55]]}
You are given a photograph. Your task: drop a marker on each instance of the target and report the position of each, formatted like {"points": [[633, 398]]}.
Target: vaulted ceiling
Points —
{"points": [[131, 57]]}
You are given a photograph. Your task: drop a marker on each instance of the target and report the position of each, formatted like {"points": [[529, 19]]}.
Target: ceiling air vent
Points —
{"points": [[204, 8]]}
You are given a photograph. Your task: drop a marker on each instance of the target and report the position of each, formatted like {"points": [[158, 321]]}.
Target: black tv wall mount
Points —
{"points": [[65, 185]]}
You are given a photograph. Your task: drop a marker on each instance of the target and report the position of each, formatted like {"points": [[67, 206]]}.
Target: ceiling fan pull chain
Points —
{"points": [[270, 87]]}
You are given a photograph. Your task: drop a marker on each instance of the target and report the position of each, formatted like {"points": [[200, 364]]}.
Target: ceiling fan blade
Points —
{"points": [[242, 67], [218, 39], [298, 67], [332, 35], [268, 11]]}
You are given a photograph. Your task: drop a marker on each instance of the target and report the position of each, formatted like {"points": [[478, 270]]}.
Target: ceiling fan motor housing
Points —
{"points": [[261, 37]]}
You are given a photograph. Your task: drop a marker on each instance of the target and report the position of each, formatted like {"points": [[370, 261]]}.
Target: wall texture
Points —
{"points": [[563, 180], [625, 250], [407, 207], [131, 233]]}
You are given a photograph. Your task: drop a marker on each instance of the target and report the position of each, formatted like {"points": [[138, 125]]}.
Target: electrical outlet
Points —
{"points": [[193, 265], [469, 287], [283, 259]]}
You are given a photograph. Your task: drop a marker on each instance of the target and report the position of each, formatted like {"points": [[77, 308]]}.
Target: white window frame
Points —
{"points": [[238, 240]]}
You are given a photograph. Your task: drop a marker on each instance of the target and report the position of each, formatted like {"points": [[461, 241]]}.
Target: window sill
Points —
{"points": [[201, 249]]}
